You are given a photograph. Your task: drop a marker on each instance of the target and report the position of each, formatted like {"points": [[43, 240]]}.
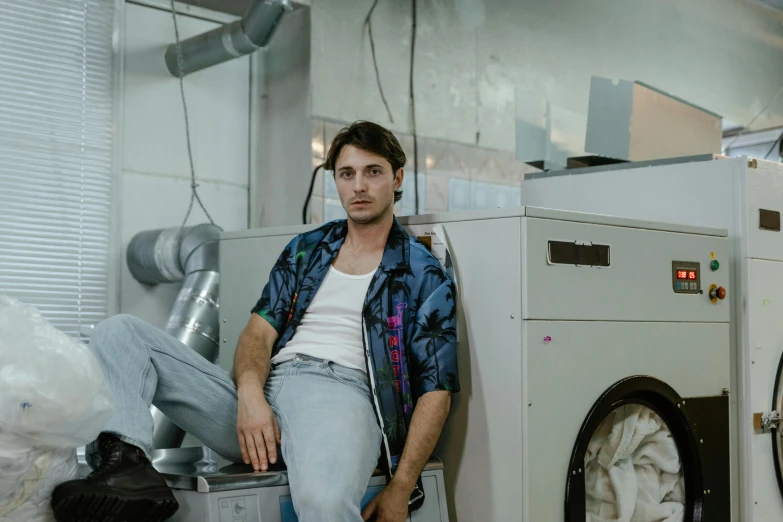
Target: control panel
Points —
{"points": [[686, 277]]}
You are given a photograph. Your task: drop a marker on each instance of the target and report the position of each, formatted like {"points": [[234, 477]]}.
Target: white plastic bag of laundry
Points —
{"points": [[27, 479], [54, 398]]}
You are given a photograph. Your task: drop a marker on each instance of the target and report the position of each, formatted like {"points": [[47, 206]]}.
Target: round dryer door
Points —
{"points": [[632, 468], [772, 421], [638, 457]]}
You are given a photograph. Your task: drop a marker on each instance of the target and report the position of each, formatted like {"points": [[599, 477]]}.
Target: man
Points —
{"points": [[348, 356]]}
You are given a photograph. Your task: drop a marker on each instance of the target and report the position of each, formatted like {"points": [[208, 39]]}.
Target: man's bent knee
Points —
{"points": [[325, 503], [120, 325]]}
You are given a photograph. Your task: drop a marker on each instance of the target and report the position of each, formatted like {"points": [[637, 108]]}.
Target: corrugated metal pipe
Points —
{"points": [[190, 255], [230, 41]]}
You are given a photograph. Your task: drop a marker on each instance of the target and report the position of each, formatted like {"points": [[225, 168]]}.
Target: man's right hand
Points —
{"points": [[257, 428]]}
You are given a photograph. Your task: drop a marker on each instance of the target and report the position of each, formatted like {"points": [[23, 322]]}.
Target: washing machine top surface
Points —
{"points": [[200, 469], [499, 213]]}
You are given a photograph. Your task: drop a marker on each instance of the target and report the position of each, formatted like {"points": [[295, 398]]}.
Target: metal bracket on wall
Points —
{"points": [[766, 421]]}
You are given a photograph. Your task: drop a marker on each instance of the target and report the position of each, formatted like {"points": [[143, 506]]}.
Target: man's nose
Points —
{"points": [[359, 183]]}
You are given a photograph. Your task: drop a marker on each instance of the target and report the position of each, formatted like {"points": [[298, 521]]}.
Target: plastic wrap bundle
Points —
{"points": [[54, 399]]}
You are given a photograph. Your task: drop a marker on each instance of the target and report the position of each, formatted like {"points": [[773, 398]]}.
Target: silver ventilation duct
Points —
{"points": [[175, 254], [230, 41]]}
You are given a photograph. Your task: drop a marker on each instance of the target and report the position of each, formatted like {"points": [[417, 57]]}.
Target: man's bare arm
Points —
{"points": [[257, 428], [425, 428], [254, 350], [427, 422]]}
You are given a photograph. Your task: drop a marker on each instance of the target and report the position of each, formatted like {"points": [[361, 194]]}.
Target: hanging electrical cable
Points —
{"points": [[310, 194], [413, 107], [368, 25], [193, 185]]}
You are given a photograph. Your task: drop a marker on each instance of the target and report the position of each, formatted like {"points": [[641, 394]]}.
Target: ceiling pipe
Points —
{"points": [[229, 41]]}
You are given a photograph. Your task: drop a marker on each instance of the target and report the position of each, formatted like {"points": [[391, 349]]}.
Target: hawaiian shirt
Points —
{"points": [[409, 319]]}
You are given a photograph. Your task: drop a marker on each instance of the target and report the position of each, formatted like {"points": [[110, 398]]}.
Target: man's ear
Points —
{"points": [[398, 177]]}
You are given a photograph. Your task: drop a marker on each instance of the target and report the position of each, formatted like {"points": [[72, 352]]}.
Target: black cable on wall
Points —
{"points": [[310, 194], [413, 107]]}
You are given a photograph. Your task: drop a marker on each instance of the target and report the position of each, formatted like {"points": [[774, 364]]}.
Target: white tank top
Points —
{"points": [[331, 328]]}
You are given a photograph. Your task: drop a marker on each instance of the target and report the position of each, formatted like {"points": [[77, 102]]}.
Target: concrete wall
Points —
{"points": [[724, 55], [155, 180], [452, 177], [283, 117]]}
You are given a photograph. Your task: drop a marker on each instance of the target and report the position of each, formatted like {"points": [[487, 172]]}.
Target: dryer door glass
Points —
{"points": [[633, 469], [771, 421]]}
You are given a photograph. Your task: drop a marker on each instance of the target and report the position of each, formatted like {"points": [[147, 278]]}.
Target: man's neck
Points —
{"points": [[370, 237]]}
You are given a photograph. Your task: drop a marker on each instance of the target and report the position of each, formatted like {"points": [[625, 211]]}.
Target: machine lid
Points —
{"points": [[643, 448], [196, 469]]}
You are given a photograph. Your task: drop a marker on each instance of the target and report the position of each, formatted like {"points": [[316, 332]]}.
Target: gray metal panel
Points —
{"points": [[765, 342], [602, 219], [480, 445], [561, 215], [764, 187], [245, 265], [564, 377], [609, 118], [637, 286], [700, 193]]}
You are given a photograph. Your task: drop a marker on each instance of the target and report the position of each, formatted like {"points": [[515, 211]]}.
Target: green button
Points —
{"points": [[715, 265]]}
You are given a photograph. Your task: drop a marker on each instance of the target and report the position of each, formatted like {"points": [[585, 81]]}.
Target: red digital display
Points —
{"points": [[686, 274]]}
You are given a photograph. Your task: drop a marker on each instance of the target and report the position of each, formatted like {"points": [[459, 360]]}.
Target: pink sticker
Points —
{"points": [[547, 339]]}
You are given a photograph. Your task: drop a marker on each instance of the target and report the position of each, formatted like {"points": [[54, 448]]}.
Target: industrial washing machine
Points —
{"points": [[594, 363], [745, 196], [209, 489]]}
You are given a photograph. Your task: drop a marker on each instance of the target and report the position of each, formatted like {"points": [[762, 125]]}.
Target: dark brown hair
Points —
{"points": [[373, 138]]}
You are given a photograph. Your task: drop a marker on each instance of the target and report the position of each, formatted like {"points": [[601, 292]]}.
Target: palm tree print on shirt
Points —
{"points": [[433, 330], [437, 272], [284, 274]]}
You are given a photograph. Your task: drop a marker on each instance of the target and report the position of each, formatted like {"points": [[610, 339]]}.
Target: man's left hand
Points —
{"points": [[390, 505]]}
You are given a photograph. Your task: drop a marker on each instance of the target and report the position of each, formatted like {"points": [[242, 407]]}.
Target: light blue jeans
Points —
{"points": [[331, 441]]}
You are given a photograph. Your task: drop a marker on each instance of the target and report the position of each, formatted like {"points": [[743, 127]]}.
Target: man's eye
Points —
{"points": [[375, 171]]}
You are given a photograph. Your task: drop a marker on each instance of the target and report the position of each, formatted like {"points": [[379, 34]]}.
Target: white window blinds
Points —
{"points": [[56, 102]]}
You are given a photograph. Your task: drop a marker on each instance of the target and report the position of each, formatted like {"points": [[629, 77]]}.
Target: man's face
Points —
{"points": [[366, 184]]}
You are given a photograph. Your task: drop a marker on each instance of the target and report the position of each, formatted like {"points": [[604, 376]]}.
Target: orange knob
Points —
{"points": [[717, 292], [721, 293]]}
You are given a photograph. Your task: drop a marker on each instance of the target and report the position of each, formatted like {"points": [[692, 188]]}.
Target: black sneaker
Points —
{"points": [[124, 488]]}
